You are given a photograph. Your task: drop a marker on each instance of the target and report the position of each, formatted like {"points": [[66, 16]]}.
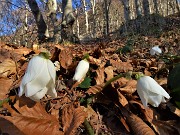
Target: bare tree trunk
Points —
{"points": [[86, 16], [52, 9], [25, 29], [77, 23], [137, 6], [68, 21], [106, 10], [43, 32], [177, 6], [93, 3], [146, 7], [156, 6], [126, 10]]}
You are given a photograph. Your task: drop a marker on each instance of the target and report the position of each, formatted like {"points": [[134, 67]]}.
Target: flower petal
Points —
{"points": [[81, 70], [155, 87], [51, 89], [39, 82], [155, 50], [152, 52], [154, 99], [40, 94], [34, 69], [51, 70], [142, 94]]}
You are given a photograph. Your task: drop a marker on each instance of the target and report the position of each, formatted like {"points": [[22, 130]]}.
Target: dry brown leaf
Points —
{"points": [[162, 81], [7, 68], [166, 127], [121, 82], [146, 72], [5, 85], [95, 89], [23, 51], [4, 54], [138, 126], [122, 99], [8, 128], [72, 118], [147, 112], [98, 62], [121, 66], [130, 87], [93, 118], [100, 76], [109, 72], [173, 109], [124, 123], [65, 58], [59, 47], [32, 118]]}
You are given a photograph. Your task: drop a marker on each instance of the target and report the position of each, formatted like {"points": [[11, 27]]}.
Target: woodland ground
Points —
{"points": [[99, 105]]}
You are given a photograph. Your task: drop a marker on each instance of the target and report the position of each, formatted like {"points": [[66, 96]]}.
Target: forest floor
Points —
{"points": [[97, 105]]}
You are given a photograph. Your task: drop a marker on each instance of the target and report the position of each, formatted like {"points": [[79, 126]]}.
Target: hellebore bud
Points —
{"points": [[39, 78], [81, 70], [150, 91], [155, 50]]}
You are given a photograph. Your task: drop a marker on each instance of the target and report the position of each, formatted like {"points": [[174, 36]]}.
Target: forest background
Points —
{"points": [[117, 35]]}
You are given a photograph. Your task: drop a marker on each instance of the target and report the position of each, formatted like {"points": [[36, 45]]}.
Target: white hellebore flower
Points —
{"points": [[150, 91], [155, 50], [39, 78], [81, 70]]}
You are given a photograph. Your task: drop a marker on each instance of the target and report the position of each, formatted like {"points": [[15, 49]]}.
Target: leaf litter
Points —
{"points": [[103, 103]]}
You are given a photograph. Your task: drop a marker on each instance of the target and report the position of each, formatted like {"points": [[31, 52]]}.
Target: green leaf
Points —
{"points": [[3, 101], [173, 83], [86, 83], [178, 104]]}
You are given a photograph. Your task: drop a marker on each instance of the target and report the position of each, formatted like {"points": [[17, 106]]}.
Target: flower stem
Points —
{"points": [[88, 127]]}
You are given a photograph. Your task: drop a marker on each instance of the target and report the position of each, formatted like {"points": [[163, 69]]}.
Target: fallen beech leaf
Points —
{"points": [[93, 118], [23, 51], [100, 76], [32, 118], [162, 81], [98, 62], [65, 58], [5, 85], [173, 109], [8, 128], [166, 127], [122, 99], [72, 118], [7, 68], [147, 112], [95, 89], [59, 47], [121, 82], [121, 66], [138, 126], [109, 72], [146, 72], [4, 54], [130, 87]]}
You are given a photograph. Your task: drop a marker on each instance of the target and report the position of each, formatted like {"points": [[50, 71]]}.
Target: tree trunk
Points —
{"points": [[106, 9], [67, 22], [93, 4], [77, 23], [86, 16], [43, 32], [52, 9], [156, 6], [146, 7], [177, 6]]}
